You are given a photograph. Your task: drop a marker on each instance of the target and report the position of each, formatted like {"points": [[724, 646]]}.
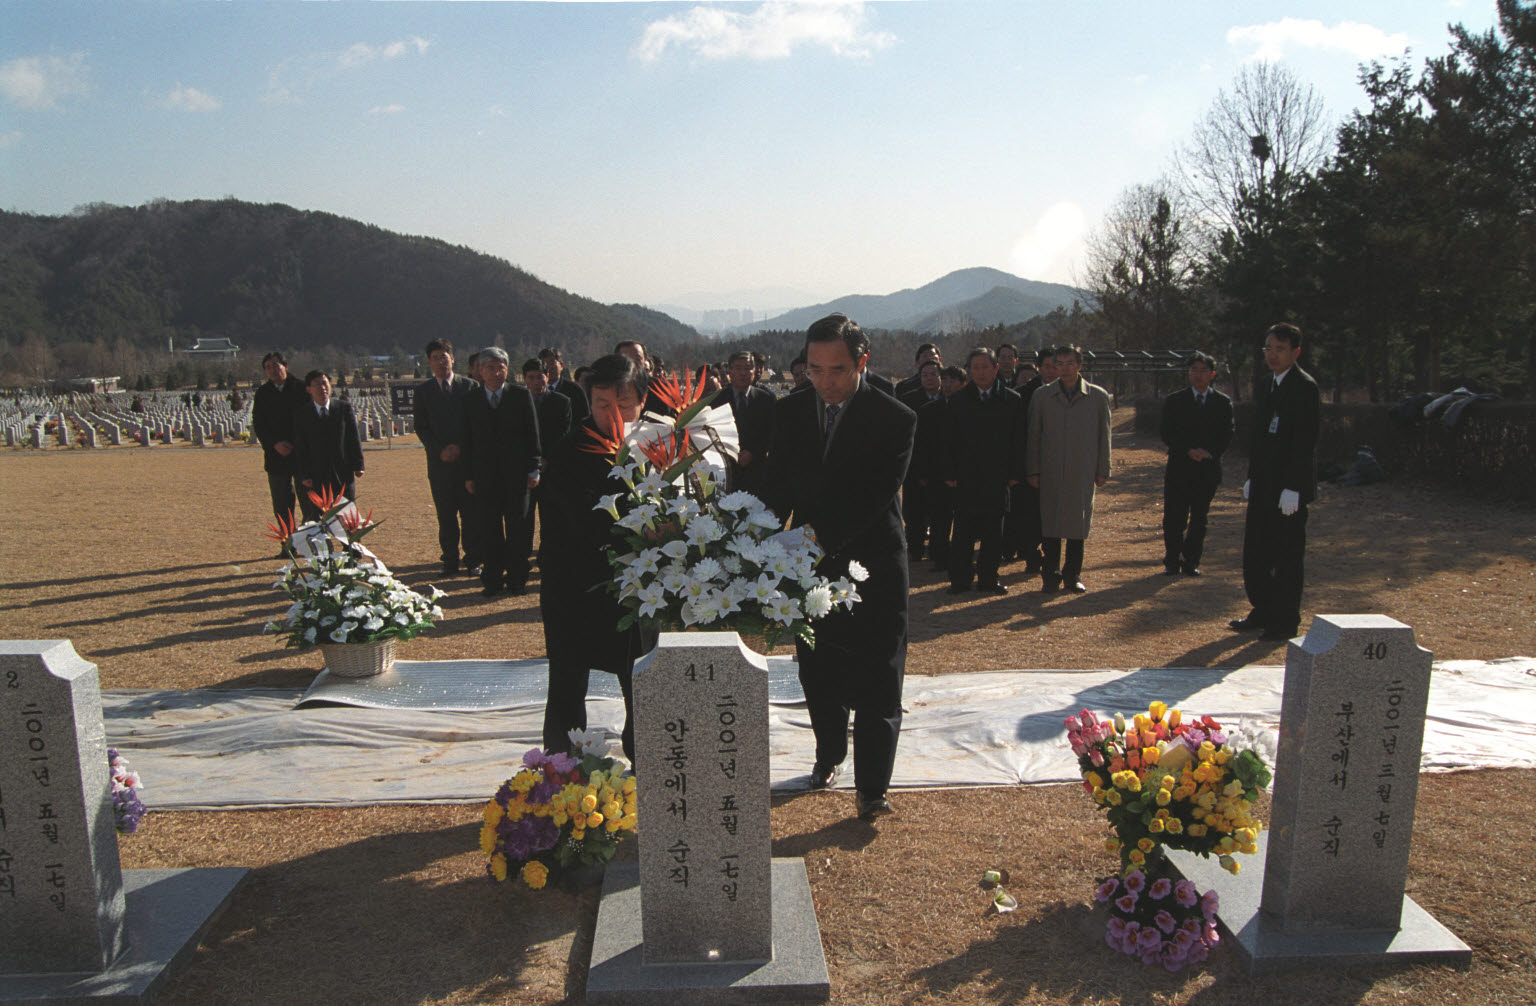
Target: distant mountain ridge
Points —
{"points": [[962, 300]]}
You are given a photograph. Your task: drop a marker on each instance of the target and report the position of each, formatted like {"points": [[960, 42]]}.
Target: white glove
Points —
{"points": [[1290, 501], [1246, 487]]}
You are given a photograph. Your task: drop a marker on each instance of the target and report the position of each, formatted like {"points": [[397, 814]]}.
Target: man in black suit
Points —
{"points": [[554, 412], [327, 452], [918, 494], [753, 408], [272, 419], [554, 372], [926, 353], [438, 407], [837, 462], [1281, 482], [501, 455], [982, 462], [1021, 527], [1197, 427]]}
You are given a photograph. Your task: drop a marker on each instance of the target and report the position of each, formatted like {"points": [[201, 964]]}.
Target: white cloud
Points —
{"points": [[290, 79], [1362, 41], [773, 30], [386, 109], [1042, 252], [43, 81], [190, 99], [11, 139]]}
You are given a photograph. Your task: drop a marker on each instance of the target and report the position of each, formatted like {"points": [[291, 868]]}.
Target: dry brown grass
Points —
{"points": [[151, 562]]}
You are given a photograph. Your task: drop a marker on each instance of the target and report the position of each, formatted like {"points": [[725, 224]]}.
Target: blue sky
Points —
{"points": [[651, 151]]}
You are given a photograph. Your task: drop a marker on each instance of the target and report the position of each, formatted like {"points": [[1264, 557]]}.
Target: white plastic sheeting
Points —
{"points": [[210, 749]]}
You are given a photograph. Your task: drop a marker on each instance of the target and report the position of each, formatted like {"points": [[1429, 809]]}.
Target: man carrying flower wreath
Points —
{"points": [[837, 461]]}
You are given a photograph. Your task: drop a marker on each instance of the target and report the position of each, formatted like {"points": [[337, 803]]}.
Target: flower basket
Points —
{"points": [[359, 660]]}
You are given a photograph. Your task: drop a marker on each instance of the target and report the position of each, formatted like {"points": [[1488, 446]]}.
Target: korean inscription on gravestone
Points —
{"points": [[703, 768], [61, 898]]}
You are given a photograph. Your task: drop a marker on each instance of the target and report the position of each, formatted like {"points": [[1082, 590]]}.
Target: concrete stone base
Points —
{"points": [[169, 912], [1265, 949], [797, 973]]}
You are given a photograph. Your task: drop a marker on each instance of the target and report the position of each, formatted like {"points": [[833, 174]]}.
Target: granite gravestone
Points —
{"points": [[61, 890], [718, 917], [1341, 824], [74, 926]]}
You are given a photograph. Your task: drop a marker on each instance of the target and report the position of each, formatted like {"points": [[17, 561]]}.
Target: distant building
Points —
{"points": [[95, 385], [221, 349]]}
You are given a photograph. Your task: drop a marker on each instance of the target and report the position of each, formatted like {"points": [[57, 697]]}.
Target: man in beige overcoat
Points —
{"points": [[1067, 459]]}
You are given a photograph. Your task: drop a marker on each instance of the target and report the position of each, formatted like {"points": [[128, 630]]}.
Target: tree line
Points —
{"points": [[1401, 242]]}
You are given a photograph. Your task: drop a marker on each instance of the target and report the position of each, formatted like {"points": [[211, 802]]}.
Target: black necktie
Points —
{"points": [[832, 411]]}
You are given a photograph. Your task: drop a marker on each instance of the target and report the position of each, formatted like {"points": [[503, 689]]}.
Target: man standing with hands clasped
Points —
{"points": [[1197, 427], [837, 463], [1281, 482], [1068, 460]]}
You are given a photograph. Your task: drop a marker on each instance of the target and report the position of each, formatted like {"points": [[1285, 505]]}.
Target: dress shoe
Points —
{"points": [[1276, 636], [490, 590], [875, 807], [517, 589], [822, 776], [1190, 570], [1245, 624], [958, 588], [1075, 586], [473, 570], [991, 588], [1170, 571]]}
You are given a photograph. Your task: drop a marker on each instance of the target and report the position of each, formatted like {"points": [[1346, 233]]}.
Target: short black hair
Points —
{"points": [[437, 344], [923, 349], [532, 364], [741, 354], [838, 327], [1069, 349], [800, 360], [274, 355], [551, 353], [1008, 345], [1046, 353], [309, 378], [1198, 357], [1285, 330], [616, 370], [980, 351], [954, 373], [618, 347], [928, 363]]}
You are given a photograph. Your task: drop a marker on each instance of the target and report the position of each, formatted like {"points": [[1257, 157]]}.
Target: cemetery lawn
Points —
{"points": [[152, 563]]}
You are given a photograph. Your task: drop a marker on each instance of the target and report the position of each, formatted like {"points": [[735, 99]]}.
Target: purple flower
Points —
{"points": [[1148, 939], [563, 763], [1160, 888], [1107, 889], [1212, 938], [1126, 903], [534, 758], [1135, 881], [504, 794], [531, 835], [1174, 958], [1183, 939], [1164, 921], [543, 792], [1209, 904], [1186, 893]]}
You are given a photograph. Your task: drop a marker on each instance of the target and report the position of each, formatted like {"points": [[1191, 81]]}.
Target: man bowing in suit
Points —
{"points": [[1281, 482], [837, 462], [1197, 427]]}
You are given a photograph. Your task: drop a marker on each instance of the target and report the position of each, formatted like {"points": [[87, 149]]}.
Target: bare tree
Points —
{"points": [[1139, 268], [1270, 123]]}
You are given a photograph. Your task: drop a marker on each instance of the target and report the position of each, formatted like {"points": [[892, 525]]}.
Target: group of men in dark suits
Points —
{"points": [[309, 441], [484, 444]]}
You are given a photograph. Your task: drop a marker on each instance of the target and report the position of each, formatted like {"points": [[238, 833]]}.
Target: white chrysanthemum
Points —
{"points": [[703, 529], [706, 569], [731, 564], [374, 624], [739, 500], [818, 601], [763, 518], [400, 619], [856, 571], [747, 547], [436, 613]]}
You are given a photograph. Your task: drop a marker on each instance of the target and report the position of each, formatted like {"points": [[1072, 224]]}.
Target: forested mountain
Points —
{"points": [[272, 276], [968, 298]]}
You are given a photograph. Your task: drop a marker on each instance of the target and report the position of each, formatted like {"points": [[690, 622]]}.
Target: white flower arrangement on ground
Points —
{"points": [[342, 592], [696, 556]]}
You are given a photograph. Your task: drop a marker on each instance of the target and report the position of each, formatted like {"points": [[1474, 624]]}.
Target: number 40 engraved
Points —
{"points": [[1375, 651]]}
